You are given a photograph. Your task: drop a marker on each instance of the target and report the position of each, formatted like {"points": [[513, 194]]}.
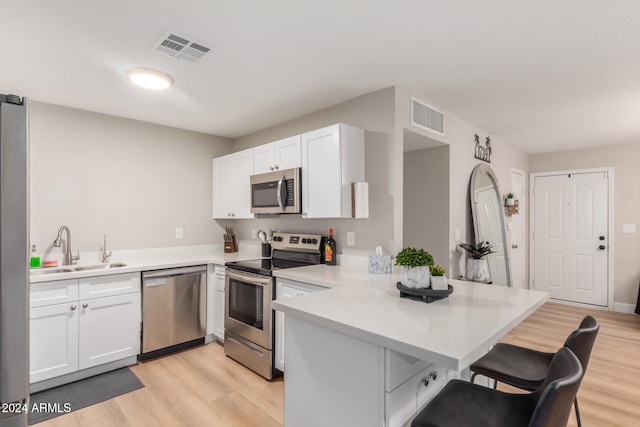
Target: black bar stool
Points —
{"points": [[462, 404], [526, 368]]}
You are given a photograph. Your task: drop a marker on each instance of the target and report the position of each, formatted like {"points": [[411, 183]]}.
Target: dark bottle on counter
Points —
{"points": [[330, 249]]}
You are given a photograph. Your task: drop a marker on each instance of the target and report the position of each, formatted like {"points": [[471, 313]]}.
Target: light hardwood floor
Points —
{"points": [[202, 387]]}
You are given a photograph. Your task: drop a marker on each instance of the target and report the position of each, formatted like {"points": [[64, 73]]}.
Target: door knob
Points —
{"points": [[602, 247], [601, 237], [514, 246]]}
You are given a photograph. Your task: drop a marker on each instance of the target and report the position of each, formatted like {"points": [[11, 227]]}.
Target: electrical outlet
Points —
{"points": [[179, 233], [351, 238], [628, 228], [457, 235], [254, 233]]}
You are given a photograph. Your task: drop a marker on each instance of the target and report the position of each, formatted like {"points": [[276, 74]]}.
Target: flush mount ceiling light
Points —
{"points": [[149, 78]]}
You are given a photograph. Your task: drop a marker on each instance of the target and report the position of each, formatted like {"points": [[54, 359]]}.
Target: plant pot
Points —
{"points": [[415, 277], [478, 270], [510, 202], [439, 283]]}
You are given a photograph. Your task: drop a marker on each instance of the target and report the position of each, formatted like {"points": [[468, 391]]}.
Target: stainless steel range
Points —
{"points": [[249, 290]]}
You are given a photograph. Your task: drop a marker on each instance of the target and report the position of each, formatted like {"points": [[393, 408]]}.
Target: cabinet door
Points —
{"points": [[222, 191], [109, 329], [53, 341], [286, 289], [287, 153], [241, 185], [321, 173], [231, 185], [219, 301], [211, 299], [264, 158]]}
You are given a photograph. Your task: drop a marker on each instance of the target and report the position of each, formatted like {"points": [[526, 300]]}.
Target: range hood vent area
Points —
{"points": [[426, 117], [180, 46]]}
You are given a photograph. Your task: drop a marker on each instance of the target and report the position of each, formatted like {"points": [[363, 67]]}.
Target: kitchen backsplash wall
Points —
{"points": [[135, 182]]}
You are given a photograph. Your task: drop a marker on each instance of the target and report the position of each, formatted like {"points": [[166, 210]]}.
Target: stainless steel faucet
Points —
{"points": [[105, 255], [69, 258]]}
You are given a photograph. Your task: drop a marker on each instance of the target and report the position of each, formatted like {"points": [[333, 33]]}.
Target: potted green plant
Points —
{"points": [[509, 199], [415, 265], [438, 278], [477, 265]]}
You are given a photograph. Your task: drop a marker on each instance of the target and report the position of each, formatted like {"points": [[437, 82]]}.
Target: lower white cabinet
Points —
{"points": [[218, 330], [286, 288], [68, 334], [53, 341]]}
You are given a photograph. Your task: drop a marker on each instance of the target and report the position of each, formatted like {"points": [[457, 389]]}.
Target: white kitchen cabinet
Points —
{"points": [[69, 333], [231, 186], [109, 329], [286, 288], [218, 330], [53, 340], [278, 155], [332, 159]]}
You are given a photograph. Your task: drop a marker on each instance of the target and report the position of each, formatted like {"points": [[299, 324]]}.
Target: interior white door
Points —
{"points": [[516, 227], [570, 236]]}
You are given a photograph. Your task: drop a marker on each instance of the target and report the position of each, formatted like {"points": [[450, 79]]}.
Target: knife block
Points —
{"points": [[232, 246]]}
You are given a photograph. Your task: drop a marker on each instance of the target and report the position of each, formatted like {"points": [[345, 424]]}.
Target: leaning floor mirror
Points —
{"points": [[488, 222]]}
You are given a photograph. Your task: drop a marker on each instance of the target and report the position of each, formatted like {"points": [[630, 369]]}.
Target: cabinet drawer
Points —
{"points": [[113, 284], [400, 367], [405, 401], [56, 292]]}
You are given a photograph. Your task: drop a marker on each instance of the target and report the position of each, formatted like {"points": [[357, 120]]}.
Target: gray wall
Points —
{"points": [[134, 181], [624, 159], [426, 202]]}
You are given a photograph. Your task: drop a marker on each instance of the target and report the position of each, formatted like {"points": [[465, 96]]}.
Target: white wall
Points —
{"points": [[624, 159], [134, 181]]}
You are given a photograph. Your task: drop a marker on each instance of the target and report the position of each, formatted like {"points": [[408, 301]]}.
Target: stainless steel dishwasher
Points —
{"points": [[173, 309]]}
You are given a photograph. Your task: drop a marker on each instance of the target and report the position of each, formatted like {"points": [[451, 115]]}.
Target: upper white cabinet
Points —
{"points": [[278, 155], [231, 187], [332, 159]]}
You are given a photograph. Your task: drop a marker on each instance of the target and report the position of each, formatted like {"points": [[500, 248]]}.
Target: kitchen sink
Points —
{"points": [[72, 269]]}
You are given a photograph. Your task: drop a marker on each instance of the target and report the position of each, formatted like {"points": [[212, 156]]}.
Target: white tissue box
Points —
{"points": [[380, 264]]}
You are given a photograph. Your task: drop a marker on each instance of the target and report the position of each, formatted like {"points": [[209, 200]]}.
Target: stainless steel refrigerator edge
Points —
{"points": [[14, 252]]}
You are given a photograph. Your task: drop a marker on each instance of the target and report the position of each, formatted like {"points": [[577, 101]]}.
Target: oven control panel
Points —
{"points": [[296, 242]]}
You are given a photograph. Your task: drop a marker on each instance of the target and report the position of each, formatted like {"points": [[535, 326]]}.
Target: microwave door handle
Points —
{"points": [[280, 195]]}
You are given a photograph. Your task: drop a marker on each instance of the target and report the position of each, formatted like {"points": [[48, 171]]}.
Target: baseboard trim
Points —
{"points": [[624, 308]]}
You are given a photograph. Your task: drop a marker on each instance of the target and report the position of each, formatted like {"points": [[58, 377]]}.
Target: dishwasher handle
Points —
{"points": [[174, 271]]}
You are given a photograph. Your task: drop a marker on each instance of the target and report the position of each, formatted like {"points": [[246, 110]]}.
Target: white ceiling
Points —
{"points": [[542, 75]]}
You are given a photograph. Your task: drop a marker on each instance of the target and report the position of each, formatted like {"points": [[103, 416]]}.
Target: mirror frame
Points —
{"points": [[486, 169]]}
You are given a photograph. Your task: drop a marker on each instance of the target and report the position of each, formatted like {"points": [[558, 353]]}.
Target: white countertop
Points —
{"points": [[153, 259], [453, 332]]}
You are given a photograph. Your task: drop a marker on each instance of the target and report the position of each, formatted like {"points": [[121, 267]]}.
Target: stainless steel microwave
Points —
{"points": [[276, 192]]}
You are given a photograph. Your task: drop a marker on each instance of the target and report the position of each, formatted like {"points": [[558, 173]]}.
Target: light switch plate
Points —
{"points": [[351, 238], [628, 228], [179, 233]]}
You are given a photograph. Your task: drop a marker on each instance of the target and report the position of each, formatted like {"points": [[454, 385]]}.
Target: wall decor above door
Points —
{"points": [[483, 152]]}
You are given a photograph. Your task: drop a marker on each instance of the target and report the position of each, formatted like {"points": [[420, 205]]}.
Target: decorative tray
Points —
{"points": [[427, 295]]}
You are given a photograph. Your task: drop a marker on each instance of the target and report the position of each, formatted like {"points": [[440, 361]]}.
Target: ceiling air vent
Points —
{"points": [[180, 46], [426, 117]]}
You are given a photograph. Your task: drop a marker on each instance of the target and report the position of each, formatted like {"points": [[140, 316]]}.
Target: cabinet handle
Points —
{"points": [[425, 381], [85, 305], [277, 167], [73, 307], [271, 168], [433, 375]]}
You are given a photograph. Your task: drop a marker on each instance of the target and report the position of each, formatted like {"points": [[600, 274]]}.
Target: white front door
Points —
{"points": [[517, 233], [570, 236]]}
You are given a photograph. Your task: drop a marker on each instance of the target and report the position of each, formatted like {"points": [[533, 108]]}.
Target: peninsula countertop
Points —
{"points": [[453, 332]]}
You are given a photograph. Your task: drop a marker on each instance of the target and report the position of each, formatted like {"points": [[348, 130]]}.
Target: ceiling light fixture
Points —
{"points": [[149, 78]]}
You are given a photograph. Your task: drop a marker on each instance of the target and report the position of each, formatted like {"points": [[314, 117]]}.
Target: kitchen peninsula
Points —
{"points": [[357, 354]]}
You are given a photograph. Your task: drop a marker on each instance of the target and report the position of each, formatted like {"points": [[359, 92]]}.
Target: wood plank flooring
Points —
{"points": [[202, 387]]}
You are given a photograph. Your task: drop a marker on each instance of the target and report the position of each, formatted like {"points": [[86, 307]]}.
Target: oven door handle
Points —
{"points": [[281, 196], [253, 279]]}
